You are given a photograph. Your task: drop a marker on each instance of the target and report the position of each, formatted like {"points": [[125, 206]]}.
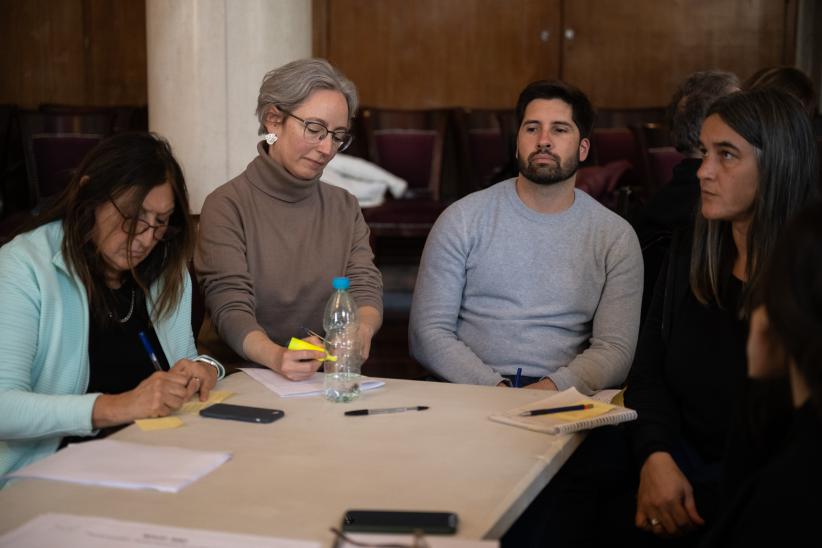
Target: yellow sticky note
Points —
{"points": [[599, 408], [194, 406], [159, 424]]}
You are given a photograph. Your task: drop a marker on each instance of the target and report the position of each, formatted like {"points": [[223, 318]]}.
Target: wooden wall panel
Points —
{"points": [[634, 54], [430, 53], [116, 57], [81, 52], [42, 56], [479, 53]]}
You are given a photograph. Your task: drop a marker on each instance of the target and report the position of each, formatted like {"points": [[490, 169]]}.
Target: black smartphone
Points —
{"points": [[387, 521], [241, 413]]}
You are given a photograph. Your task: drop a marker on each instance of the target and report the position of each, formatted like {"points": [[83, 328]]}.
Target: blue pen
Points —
{"points": [[518, 377], [150, 351]]}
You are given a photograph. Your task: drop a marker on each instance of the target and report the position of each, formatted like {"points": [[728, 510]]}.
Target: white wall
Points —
{"points": [[206, 59]]}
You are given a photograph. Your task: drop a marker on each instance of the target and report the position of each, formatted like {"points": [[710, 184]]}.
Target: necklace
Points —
{"points": [[130, 311]]}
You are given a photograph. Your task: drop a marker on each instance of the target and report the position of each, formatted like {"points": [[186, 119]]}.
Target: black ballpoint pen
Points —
{"points": [[359, 412], [534, 412]]}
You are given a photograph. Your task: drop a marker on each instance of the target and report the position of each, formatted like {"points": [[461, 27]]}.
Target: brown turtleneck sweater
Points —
{"points": [[269, 245]]}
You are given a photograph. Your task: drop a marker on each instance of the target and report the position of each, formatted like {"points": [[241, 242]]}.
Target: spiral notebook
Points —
{"points": [[602, 413]]}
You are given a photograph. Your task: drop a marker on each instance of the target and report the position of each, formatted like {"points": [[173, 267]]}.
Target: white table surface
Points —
{"points": [[297, 476]]}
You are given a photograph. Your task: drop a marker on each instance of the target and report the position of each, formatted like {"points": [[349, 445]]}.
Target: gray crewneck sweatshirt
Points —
{"points": [[502, 286]]}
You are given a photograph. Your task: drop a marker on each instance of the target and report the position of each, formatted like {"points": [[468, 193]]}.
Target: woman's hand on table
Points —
{"points": [[665, 499], [202, 377], [157, 396]]}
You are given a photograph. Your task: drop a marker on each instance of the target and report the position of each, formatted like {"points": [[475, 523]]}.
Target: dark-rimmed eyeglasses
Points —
{"points": [[315, 132], [417, 542], [162, 233]]}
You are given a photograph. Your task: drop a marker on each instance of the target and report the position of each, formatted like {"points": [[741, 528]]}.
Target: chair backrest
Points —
{"points": [[612, 144], [653, 135], [662, 161], [6, 113], [55, 158], [409, 144], [487, 139], [600, 182], [55, 144]]}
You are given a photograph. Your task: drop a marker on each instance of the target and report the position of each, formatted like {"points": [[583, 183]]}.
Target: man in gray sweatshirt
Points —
{"points": [[531, 273]]}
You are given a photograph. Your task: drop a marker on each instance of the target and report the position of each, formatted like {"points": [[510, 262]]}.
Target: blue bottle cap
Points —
{"points": [[340, 283]]}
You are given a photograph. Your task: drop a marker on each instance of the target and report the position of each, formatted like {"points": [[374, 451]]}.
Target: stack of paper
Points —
{"points": [[112, 463], [291, 389], [69, 531]]}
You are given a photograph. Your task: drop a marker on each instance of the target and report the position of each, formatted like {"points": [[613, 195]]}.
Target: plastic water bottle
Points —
{"points": [[342, 377]]}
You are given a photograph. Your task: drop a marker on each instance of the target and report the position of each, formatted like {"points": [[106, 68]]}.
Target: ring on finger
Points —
{"points": [[654, 522]]}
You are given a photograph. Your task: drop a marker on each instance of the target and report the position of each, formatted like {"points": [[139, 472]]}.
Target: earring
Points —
{"points": [[271, 138]]}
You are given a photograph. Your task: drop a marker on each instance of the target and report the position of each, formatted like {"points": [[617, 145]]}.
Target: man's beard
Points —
{"points": [[548, 174]]}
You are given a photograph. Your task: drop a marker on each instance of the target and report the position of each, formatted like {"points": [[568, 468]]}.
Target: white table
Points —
{"points": [[297, 476]]}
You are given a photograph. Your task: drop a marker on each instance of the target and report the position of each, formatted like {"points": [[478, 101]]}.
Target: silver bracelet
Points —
{"points": [[202, 358]]}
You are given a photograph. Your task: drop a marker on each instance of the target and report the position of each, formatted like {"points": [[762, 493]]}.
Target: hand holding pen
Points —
{"points": [[199, 377]]}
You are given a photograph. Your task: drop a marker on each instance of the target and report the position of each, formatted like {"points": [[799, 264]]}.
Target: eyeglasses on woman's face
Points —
{"points": [[315, 132], [162, 232]]}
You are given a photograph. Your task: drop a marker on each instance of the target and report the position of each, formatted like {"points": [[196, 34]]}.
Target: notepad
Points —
{"points": [[297, 389], [602, 413], [195, 405]]}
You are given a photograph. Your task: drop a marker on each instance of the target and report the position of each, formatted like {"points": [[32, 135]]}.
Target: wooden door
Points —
{"points": [[634, 54], [440, 53]]}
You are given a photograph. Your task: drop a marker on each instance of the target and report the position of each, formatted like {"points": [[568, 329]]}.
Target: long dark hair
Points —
{"points": [[125, 164], [775, 124], [792, 294]]}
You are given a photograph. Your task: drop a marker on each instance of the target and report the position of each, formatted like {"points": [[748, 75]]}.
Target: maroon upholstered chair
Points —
{"points": [[55, 157], [487, 140], [603, 182], [661, 164], [409, 144], [55, 144], [414, 155], [612, 144]]}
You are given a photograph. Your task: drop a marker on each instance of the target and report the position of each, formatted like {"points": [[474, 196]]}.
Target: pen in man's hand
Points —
{"points": [[150, 351], [313, 334], [518, 378], [551, 410], [359, 412]]}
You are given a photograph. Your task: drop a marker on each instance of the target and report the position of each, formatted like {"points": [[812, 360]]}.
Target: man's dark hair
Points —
{"points": [[691, 101], [581, 109]]}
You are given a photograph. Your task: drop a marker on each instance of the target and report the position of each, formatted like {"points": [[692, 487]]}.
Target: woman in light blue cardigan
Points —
{"points": [[99, 280]]}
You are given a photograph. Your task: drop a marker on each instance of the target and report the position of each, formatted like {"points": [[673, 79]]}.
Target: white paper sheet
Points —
{"points": [[126, 465], [67, 531], [290, 389]]}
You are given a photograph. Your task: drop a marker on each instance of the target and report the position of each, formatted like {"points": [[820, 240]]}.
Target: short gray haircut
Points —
{"points": [[288, 86], [690, 103]]}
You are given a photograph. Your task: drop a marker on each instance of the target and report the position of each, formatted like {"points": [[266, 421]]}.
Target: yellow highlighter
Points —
{"points": [[299, 344]]}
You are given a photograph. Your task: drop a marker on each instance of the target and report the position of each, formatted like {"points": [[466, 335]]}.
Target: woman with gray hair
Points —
{"points": [[272, 239]]}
